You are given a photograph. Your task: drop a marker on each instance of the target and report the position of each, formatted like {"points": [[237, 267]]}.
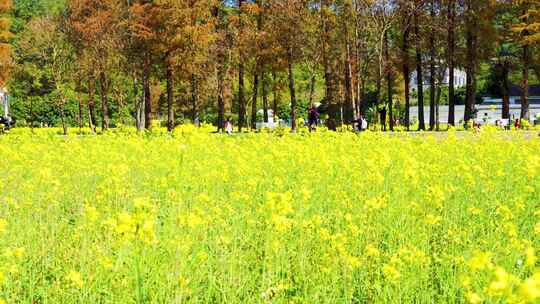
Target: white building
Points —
{"points": [[515, 96], [4, 102], [460, 79]]}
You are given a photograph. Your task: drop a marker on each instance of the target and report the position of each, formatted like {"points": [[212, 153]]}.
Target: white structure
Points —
{"points": [[515, 96], [271, 123], [4, 102], [460, 79]]}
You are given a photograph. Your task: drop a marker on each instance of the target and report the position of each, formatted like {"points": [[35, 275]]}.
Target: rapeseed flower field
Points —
{"points": [[327, 217]]}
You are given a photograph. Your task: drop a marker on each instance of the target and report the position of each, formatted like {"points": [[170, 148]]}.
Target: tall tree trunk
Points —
{"points": [[526, 62], [254, 101], [63, 115], [406, 71], [440, 79], [389, 82], [241, 86], [265, 96], [91, 104], [147, 100], [194, 100], [104, 100], [432, 69], [80, 118], [221, 98], [312, 84], [451, 62], [349, 94], [170, 98], [241, 97], [505, 88], [330, 96], [358, 76], [471, 73], [275, 96], [139, 103], [32, 115], [292, 91], [419, 75], [378, 89]]}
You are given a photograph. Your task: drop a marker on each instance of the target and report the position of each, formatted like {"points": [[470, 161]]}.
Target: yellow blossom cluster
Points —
{"points": [[325, 217]]}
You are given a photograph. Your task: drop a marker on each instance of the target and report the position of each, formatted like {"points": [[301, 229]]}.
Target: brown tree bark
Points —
{"points": [[254, 101], [241, 85], [432, 69], [419, 75], [275, 95], [406, 74], [451, 61], [505, 88], [80, 118], [170, 98], [221, 98], [389, 82], [91, 104], [292, 91], [349, 94], [470, 69], [104, 87], [265, 96], [147, 99], [195, 100], [526, 62]]}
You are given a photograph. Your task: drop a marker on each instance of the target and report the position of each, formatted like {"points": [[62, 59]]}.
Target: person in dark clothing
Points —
{"points": [[382, 113], [313, 118]]}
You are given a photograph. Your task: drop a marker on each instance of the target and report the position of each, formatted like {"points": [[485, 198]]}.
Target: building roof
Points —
{"points": [[515, 90]]}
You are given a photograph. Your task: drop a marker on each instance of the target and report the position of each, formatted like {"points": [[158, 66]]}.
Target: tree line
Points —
{"points": [[97, 63]]}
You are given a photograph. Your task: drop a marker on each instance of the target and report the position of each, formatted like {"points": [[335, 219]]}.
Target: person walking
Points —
{"points": [[228, 126], [382, 113], [313, 118]]}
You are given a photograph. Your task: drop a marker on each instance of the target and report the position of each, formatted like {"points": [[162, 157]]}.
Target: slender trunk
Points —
{"points": [[471, 74], [451, 62], [275, 96], [419, 75], [221, 99], [349, 94], [104, 101], [194, 100], [292, 92], [258, 68], [265, 96], [440, 80], [312, 88], [406, 70], [389, 82], [139, 103], [358, 77], [525, 82], [91, 106], [254, 101], [241, 97], [505, 93], [330, 96], [170, 99], [378, 89], [80, 118], [32, 116], [432, 70], [63, 117], [147, 99]]}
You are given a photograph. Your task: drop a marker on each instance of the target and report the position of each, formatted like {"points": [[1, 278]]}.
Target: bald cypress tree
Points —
{"points": [[5, 50]]}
